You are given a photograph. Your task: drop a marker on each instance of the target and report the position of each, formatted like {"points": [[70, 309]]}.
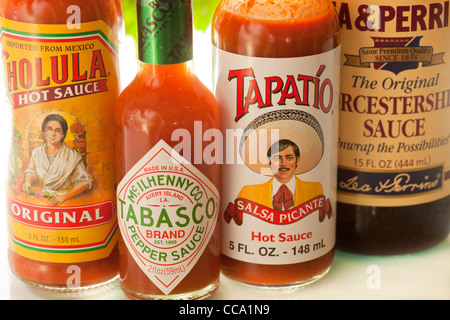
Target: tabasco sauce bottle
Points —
{"points": [[394, 139], [168, 177], [60, 71], [277, 84]]}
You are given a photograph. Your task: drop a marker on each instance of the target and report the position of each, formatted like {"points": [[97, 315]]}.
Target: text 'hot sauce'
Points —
{"points": [[277, 83], [61, 76], [394, 139], [167, 195]]}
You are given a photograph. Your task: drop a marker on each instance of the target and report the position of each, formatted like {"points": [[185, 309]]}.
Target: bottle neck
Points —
{"points": [[165, 31], [164, 72]]}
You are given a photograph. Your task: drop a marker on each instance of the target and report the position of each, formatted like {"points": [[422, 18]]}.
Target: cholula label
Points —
{"points": [[60, 84], [167, 213]]}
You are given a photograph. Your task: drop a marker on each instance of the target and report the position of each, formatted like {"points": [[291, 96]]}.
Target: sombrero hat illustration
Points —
{"points": [[298, 126]]}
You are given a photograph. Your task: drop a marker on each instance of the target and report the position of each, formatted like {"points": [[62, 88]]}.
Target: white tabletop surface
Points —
{"points": [[421, 276]]}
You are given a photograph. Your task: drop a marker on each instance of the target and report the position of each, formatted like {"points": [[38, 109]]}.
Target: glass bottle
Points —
{"points": [[60, 70], [394, 140], [167, 192], [276, 81]]}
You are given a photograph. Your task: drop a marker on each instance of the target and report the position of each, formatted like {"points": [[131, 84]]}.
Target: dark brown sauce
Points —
{"points": [[392, 230]]}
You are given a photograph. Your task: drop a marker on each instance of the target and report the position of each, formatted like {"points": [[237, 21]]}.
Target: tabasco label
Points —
{"points": [[61, 84], [394, 139], [280, 119], [167, 212]]}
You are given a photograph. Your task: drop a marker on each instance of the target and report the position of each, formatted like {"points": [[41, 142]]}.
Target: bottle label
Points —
{"points": [[165, 31], [61, 84], [167, 212], [280, 118], [394, 139]]}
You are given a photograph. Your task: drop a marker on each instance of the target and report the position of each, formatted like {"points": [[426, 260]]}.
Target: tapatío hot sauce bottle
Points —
{"points": [[167, 197], [277, 70]]}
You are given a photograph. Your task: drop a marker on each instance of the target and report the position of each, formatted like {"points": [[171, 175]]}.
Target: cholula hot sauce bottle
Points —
{"points": [[277, 82], [167, 197], [60, 69], [394, 139]]}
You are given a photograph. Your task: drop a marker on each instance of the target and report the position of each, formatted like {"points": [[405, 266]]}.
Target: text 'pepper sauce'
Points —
{"points": [[167, 195]]}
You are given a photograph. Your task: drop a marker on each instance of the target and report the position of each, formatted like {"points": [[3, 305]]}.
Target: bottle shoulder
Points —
{"points": [[62, 12], [277, 34], [169, 94], [276, 10]]}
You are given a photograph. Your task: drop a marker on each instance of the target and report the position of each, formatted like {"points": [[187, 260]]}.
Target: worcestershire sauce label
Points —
{"points": [[167, 212], [394, 139]]}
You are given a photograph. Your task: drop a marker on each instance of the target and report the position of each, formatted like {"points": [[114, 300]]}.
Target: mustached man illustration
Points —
{"points": [[284, 190]]}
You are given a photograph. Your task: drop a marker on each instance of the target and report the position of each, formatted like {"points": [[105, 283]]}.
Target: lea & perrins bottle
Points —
{"points": [[276, 78], [394, 139], [60, 69], [168, 179]]}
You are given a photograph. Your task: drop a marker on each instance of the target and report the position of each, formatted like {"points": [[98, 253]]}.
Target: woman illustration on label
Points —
{"points": [[297, 149], [58, 168]]}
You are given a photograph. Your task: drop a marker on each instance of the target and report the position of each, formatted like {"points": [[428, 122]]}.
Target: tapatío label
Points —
{"points": [[167, 213]]}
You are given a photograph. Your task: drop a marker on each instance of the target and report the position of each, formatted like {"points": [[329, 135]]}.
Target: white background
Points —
{"points": [[425, 275]]}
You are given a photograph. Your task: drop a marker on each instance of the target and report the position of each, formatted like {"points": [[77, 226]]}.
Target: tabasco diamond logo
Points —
{"points": [[395, 55], [167, 212]]}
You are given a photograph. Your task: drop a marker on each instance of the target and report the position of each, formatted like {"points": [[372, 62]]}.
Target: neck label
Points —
{"points": [[165, 31]]}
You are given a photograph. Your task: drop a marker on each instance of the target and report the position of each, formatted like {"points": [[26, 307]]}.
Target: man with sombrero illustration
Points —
{"points": [[284, 190], [298, 148]]}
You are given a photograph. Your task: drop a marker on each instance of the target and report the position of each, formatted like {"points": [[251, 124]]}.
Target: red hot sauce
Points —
{"points": [[276, 80], [61, 72]]}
